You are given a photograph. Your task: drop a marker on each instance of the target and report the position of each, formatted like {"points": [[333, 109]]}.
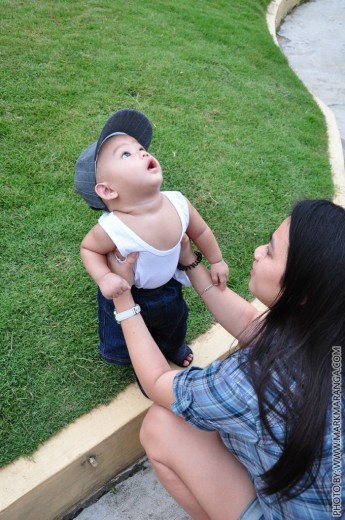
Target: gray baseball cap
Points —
{"points": [[125, 121]]}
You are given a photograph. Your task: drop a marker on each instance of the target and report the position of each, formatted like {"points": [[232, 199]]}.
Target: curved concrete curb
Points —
{"points": [[87, 454]]}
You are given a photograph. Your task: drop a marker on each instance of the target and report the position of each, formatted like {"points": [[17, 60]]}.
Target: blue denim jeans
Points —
{"points": [[164, 311]]}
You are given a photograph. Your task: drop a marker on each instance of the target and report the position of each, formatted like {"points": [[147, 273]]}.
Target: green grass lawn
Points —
{"points": [[234, 130]]}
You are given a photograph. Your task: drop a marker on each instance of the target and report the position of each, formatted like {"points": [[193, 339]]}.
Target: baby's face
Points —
{"points": [[124, 161]]}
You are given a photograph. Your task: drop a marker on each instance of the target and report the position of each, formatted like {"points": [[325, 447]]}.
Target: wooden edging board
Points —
{"points": [[88, 453]]}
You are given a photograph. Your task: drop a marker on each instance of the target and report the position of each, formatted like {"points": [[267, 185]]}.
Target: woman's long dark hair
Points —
{"points": [[291, 358]]}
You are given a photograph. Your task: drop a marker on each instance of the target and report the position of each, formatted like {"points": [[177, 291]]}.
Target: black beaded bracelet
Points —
{"points": [[191, 266]]}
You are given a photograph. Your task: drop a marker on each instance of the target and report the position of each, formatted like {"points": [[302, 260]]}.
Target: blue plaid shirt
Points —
{"points": [[221, 398]]}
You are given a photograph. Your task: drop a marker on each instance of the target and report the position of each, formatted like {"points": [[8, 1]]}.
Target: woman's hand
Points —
{"points": [[123, 268]]}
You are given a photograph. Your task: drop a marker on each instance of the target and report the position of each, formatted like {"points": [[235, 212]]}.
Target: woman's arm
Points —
{"points": [[151, 367], [232, 311]]}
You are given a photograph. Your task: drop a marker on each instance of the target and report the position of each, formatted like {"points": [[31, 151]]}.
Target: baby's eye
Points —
{"points": [[125, 155], [268, 252]]}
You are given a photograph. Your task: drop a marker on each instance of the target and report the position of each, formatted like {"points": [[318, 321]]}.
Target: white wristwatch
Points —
{"points": [[120, 316]]}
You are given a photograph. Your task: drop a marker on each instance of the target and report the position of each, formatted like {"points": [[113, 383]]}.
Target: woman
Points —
{"points": [[262, 445]]}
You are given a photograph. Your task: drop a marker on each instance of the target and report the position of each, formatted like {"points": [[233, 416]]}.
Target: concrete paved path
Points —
{"points": [[140, 497], [313, 39]]}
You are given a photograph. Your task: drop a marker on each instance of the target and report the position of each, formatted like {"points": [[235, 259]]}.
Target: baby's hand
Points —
{"points": [[111, 286], [220, 274]]}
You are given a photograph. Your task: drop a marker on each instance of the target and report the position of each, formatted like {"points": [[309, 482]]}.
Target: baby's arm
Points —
{"points": [[93, 251], [202, 236]]}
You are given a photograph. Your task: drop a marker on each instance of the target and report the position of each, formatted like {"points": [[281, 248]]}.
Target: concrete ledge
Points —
{"points": [[87, 454], [276, 12]]}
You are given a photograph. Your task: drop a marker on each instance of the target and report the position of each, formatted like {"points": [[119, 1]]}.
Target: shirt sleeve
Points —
{"points": [[217, 398]]}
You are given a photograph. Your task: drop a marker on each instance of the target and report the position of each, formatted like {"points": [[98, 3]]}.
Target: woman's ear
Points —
{"points": [[105, 192]]}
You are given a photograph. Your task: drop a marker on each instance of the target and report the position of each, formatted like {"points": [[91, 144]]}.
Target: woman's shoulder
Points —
{"points": [[221, 379], [218, 397]]}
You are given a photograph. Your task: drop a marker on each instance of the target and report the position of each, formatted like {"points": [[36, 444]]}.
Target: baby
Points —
{"points": [[118, 175]]}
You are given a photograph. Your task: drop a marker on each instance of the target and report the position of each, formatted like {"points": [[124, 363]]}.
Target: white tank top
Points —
{"points": [[153, 267]]}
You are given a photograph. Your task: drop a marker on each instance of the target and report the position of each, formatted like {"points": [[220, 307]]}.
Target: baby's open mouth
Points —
{"points": [[152, 165]]}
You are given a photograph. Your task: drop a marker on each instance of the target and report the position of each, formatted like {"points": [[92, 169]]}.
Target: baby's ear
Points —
{"points": [[105, 192]]}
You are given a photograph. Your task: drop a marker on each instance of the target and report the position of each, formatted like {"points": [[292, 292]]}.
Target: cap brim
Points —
{"points": [[129, 122]]}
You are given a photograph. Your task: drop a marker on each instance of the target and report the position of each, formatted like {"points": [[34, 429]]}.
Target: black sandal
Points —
{"points": [[179, 355]]}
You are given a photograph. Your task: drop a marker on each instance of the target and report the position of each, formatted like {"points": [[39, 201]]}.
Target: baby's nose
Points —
{"points": [[143, 153]]}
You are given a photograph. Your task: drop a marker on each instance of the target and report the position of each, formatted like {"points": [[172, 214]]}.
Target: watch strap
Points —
{"points": [[120, 316]]}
